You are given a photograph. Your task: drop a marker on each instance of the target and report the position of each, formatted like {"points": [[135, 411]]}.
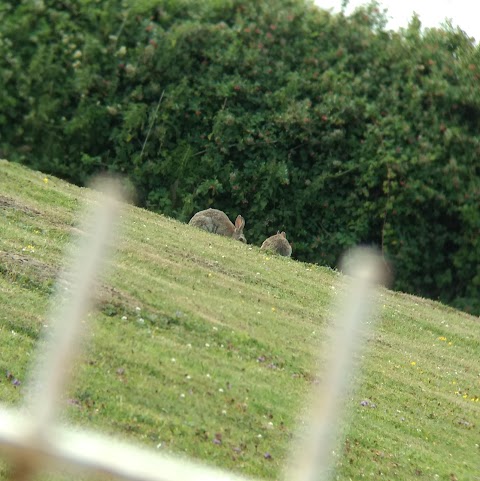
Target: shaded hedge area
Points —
{"points": [[326, 126]]}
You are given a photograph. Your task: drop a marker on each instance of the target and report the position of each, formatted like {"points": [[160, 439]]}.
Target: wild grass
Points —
{"points": [[205, 347]]}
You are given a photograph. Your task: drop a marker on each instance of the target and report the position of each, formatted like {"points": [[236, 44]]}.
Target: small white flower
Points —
{"points": [[207, 344], [188, 376], [189, 345], [138, 309], [215, 328], [124, 318], [141, 320], [173, 359], [208, 375], [182, 395], [224, 412], [220, 390], [159, 445], [259, 436]]}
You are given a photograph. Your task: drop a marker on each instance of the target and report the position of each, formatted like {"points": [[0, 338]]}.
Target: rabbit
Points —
{"points": [[278, 244], [217, 222]]}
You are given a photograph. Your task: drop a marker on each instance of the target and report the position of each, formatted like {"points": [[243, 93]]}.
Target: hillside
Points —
{"points": [[199, 339]]}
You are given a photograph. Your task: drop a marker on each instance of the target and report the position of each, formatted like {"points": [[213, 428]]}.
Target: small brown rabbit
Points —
{"points": [[217, 222], [278, 244]]}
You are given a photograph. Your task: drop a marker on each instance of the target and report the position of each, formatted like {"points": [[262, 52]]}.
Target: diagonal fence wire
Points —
{"points": [[82, 450], [31, 439]]}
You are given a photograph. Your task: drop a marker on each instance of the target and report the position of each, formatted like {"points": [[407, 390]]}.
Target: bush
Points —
{"points": [[326, 126]]}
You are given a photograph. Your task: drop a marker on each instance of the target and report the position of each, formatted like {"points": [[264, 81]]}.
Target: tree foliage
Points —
{"points": [[323, 125]]}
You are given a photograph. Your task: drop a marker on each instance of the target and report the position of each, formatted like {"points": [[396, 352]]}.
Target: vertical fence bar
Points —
{"points": [[70, 309], [313, 459]]}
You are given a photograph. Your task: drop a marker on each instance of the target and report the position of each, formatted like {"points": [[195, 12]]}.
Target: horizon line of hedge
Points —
{"points": [[323, 125]]}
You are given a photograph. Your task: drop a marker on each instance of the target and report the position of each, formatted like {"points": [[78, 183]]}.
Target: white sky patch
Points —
{"points": [[463, 13]]}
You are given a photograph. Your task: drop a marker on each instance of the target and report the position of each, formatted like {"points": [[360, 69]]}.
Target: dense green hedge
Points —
{"points": [[322, 125]]}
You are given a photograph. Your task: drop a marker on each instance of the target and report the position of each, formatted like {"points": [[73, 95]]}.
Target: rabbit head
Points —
{"points": [[238, 229]]}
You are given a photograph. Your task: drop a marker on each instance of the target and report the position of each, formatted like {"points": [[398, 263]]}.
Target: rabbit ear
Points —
{"points": [[283, 234], [239, 222]]}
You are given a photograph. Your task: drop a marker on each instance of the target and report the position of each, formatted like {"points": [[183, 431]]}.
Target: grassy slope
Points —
{"points": [[227, 345]]}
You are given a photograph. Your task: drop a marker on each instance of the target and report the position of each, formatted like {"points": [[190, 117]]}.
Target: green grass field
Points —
{"points": [[204, 346]]}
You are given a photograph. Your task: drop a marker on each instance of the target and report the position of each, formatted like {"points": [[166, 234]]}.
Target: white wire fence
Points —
{"points": [[31, 439]]}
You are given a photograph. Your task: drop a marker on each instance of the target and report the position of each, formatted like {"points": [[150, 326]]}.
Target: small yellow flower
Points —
{"points": [[45, 180], [413, 363], [442, 338], [450, 343], [465, 396], [209, 274], [273, 309]]}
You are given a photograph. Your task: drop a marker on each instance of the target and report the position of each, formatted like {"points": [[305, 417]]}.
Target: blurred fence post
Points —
{"points": [[30, 439]]}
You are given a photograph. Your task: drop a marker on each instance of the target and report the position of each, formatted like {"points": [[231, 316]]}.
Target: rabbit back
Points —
{"points": [[217, 222], [278, 244]]}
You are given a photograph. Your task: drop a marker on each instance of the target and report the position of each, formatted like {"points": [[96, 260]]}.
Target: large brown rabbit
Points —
{"points": [[217, 222], [278, 244]]}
